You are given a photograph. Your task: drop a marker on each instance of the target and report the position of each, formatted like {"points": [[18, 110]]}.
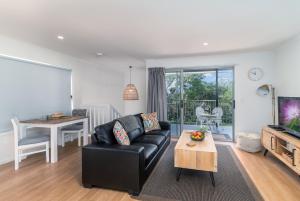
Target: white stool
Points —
{"points": [[249, 142]]}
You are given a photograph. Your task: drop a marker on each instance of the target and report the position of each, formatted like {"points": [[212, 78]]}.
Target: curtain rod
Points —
{"points": [[196, 67]]}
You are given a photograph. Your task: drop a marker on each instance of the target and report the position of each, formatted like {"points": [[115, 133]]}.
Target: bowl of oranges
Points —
{"points": [[198, 135]]}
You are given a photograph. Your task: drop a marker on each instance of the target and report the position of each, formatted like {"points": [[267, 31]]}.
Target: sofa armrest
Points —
{"points": [[165, 125], [119, 167]]}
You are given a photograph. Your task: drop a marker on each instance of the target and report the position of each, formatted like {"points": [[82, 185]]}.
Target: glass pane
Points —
{"points": [[199, 91], [201, 98], [225, 101], [173, 84]]}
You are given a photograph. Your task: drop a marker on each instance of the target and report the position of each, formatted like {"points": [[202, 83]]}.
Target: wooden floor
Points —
{"points": [[36, 180], [274, 180]]}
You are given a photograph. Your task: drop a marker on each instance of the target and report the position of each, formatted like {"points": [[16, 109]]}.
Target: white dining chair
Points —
{"points": [[200, 115], [218, 113], [32, 144], [69, 131]]}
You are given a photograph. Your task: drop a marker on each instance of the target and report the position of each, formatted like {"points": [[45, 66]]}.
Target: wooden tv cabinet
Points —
{"points": [[284, 146]]}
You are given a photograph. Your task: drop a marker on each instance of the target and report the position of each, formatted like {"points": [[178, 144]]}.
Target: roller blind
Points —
{"points": [[32, 90]]}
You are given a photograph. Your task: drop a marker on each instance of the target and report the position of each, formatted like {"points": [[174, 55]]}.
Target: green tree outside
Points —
{"points": [[198, 91]]}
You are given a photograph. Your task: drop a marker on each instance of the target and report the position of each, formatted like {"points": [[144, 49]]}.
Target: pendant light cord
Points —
{"points": [[130, 67]]}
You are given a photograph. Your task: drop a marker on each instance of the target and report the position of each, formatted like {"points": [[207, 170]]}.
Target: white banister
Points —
{"points": [[100, 114], [89, 115], [94, 116]]}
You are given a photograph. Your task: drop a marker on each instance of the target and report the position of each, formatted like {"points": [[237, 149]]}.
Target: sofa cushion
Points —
{"points": [[140, 121], [152, 139], [129, 122], [165, 125], [132, 126], [104, 133], [120, 134], [134, 134], [150, 122], [149, 150], [165, 133]]}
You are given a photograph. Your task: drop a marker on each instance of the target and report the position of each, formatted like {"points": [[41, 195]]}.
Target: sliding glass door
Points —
{"points": [[174, 97], [201, 98]]}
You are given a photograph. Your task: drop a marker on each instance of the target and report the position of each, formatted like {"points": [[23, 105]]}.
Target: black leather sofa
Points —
{"points": [[107, 164]]}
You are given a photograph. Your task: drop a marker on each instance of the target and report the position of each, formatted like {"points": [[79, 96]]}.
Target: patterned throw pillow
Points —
{"points": [[120, 134], [150, 122]]}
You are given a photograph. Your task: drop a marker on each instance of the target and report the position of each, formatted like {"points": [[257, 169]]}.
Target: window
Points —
{"points": [[32, 90]]}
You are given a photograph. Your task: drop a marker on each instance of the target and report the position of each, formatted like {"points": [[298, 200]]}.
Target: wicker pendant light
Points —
{"points": [[130, 92]]}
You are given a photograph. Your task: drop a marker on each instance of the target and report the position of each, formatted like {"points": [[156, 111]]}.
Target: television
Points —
{"points": [[289, 114]]}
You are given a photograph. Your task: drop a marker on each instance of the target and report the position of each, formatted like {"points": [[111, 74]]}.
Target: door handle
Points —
{"points": [[272, 143], [294, 157]]}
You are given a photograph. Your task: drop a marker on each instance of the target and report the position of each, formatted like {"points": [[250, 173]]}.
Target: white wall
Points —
{"points": [[95, 85], [287, 58], [252, 112], [6, 147], [287, 69]]}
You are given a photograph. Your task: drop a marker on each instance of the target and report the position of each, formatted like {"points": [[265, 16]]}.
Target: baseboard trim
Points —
{"points": [[6, 133], [6, 160], [6, 155]]}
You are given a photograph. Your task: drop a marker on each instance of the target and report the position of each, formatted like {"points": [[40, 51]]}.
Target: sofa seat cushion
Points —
{"points": [[149, 150], [165, 133], [152, 139]]}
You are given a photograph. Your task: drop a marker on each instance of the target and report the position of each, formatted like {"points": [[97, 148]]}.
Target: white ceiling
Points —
{"points": [[150, 28]]}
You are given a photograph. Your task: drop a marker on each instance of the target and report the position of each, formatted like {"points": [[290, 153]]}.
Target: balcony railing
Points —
{"points": [[189, 109]]}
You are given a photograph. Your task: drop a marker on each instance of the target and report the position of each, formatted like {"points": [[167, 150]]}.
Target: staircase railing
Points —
{"points": [[100, 114]]}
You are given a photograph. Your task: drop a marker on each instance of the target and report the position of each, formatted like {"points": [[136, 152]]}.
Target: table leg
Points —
{"points": [[54, 144], [211, 174], [85, 132], [178, 174]]}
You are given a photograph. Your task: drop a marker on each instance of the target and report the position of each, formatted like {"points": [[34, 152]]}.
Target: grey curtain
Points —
{"points": [[157, 93]]}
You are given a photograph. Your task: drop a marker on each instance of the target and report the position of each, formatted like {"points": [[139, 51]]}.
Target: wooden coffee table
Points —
{"points": [[202, 156]]}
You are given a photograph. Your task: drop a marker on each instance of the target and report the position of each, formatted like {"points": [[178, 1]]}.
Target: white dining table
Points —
{"points": [[54, 125], [210, 118]]}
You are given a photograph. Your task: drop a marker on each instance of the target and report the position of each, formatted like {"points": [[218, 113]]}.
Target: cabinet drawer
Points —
{"points": [[297, 158], [268, 141]]}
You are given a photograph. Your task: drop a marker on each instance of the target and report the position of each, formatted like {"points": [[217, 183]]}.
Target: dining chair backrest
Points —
{"points": [[199, 111], [79, 112], [15, 123], [218, 111]]}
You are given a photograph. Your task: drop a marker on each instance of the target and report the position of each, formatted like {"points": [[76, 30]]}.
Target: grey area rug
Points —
{"points": [[221, 137], [232, 183]]}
